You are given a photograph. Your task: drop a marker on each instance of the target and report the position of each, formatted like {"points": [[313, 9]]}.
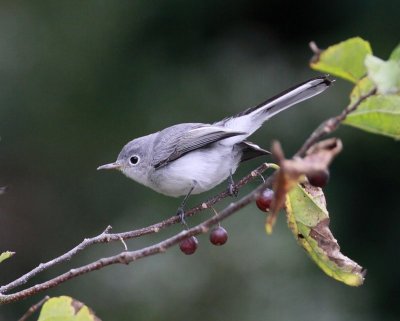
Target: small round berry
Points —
{"points": [[189, 245], [319, 178], [218, 236], [265, 199]]}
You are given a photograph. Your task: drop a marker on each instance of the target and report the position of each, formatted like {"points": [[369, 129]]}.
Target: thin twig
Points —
{"points": [[314, 48], [106, 237], [33, 308], [124, 244], [331, 124], [127, 257], [131, 256], [65, 257]]}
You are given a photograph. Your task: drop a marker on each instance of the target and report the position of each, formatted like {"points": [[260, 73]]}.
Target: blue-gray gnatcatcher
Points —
{"points": [[192, 158]]}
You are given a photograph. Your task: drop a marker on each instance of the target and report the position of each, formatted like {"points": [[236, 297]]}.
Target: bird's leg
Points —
{"points": [[232, 189], [181, 209]]}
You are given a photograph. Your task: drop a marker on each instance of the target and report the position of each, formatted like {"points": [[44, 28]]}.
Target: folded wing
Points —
{"points": [[179, 140]]}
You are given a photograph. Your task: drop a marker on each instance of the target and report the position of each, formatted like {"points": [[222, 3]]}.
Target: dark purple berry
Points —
{"points": [[265, 199], [189, 245], [218, 236], [319, 178]]}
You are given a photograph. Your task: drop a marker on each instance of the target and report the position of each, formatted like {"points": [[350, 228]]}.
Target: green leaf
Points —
{"points": [[345, 59], [308, 219], [385, 74], [6, 255], [378, 114], [395, 55], [362, 88], [65, 308]]}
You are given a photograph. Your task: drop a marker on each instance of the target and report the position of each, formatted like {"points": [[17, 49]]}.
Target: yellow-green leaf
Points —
{"points": [[65, 308], [378, 114], [362, 88], [308, 219], [6, 255], [385, 74], [395, 55], [345, 59]]}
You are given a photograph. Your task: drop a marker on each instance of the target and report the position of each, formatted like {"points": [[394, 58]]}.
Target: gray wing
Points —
{"points": [[176, 141]]}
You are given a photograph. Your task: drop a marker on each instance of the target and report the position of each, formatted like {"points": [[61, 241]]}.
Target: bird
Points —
{"points": [[192, 158]]}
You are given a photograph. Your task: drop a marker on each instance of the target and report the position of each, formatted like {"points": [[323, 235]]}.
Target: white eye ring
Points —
{"points": [[134, 160]]}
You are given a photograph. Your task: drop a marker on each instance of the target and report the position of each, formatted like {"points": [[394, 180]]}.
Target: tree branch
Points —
{"points": [[130, 256], [34, 308], [107, 237], [127, 257], [331, 124]]}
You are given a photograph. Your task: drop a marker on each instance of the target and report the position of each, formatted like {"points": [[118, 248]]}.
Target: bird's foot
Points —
{"points": [[232, 188], [181, 209], [181, 214]]}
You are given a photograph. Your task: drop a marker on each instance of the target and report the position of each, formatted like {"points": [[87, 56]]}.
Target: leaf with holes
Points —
{"points": [[308, 219]]}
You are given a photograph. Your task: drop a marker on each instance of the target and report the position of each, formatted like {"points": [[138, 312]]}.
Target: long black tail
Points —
{"points": [[252, 118]]}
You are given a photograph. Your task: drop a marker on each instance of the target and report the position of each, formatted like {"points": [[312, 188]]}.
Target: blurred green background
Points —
{"points": [[79, 79]]}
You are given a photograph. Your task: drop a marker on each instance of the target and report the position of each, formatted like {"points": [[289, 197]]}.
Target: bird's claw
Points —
{"points": [[232, 189], [181, 214]]}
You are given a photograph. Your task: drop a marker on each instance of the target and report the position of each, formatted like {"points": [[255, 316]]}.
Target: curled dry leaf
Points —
{"points": [[308, 219], [307, 214], [318, 157], [321, 154]]}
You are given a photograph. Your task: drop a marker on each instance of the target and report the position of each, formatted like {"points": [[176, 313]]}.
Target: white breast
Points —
{"points": [[207, 167]]}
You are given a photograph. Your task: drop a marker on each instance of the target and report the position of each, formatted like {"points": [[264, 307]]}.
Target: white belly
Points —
{"points": [[203, 169]]}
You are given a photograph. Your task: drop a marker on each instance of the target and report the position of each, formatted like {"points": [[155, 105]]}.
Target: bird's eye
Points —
{"points": [[134, 160]]}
